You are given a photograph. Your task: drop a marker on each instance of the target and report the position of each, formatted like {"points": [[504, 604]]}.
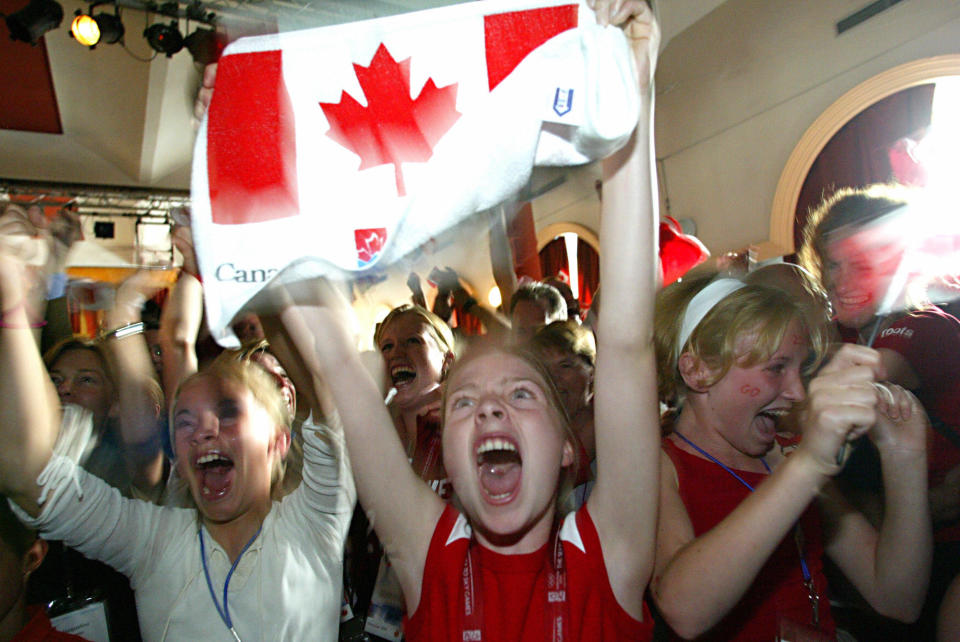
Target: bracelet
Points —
{"points": [[123, 331], [17, 326]]}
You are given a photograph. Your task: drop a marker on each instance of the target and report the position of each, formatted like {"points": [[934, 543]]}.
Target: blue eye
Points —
{"points": [[461, 402], [521, 393]]}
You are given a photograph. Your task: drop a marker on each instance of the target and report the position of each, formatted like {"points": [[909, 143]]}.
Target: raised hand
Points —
{"points": [[901, 421], [134, 291], [636, 19], [183, 241], [841, 406]]}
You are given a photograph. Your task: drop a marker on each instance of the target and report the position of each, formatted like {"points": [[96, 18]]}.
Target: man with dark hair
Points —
{"points": [[532, 306]]}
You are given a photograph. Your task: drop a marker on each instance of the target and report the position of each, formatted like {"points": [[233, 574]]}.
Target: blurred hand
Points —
{"points": [[413, 282], [65, 227], [182, 236], [446, 279], [202, 102]]}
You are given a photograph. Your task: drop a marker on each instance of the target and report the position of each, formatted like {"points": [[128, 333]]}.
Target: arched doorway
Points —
{"points": [[823, 129], [569, 251]]}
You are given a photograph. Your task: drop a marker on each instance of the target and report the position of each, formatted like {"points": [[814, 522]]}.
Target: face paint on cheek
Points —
{"points": [[747, 389]]}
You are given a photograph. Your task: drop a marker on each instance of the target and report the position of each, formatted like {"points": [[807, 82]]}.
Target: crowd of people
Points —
{"points": [[692, 463]]}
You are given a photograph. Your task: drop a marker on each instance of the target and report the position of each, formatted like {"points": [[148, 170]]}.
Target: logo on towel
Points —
{"points": [[241, 274], [562, 101], [369, 244]]}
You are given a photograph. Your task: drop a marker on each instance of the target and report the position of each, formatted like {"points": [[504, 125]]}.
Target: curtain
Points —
{"points": [[859, 153]]}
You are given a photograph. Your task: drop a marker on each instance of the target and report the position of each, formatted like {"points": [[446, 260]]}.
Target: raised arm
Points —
{"points": [[890, 568], [140, 398], [501, 254], [29, 408], [623, 503], [402, 508], [181, 318]]}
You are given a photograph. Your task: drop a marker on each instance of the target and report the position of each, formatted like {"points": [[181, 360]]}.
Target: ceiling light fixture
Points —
{"points": [[92, 30], [37, 18], [164, 38]]}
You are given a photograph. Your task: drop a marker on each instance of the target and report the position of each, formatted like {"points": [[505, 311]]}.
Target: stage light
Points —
{"points": [[163, 38], [205, 45], [90, 31], [34, 20]]}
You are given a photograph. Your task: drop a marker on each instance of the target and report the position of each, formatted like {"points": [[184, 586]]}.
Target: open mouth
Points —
{"points": [[402, 375], [853, 302], [772, 417], [214, 471], [500, 467]]}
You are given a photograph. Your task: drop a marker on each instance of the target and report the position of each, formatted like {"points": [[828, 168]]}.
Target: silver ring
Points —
{"points": [[888, 395]]}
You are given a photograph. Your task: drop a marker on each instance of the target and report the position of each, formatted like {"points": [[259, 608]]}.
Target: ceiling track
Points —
{"points": [[108, 200]]}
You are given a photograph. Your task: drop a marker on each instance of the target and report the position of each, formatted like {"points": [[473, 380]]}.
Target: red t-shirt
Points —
{"points": [[709, 494], [930, 342], [513, 589], [39, 629]]}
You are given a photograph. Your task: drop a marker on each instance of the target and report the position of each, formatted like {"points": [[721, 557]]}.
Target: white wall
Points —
{"points": [[737, 90]]}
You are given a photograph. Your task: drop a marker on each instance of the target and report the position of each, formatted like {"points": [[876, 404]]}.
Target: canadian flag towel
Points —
{"points": [[346, 147]]}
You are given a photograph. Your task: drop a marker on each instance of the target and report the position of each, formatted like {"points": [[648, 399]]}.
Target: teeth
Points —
{"points": [[495, 444], [210, 457], [402, 373]]}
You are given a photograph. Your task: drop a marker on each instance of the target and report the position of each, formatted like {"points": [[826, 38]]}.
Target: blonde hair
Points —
{"points": [[567, 475], [57, 350], [759, 309], [264, 390], [569, 337], [438, 328]]}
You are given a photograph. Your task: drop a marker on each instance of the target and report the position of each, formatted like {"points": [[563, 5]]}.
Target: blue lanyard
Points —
{"points": [[798, 536], [225, 611], [720, 463]]}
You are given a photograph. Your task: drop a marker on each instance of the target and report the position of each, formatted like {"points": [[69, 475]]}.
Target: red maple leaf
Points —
{"points": [[392, 128]]}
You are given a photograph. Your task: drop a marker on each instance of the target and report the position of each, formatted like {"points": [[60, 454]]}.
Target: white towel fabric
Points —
{"points": [[343, 148]]}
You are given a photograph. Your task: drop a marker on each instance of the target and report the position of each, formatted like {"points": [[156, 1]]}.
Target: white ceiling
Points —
{"points": [[128, 122]]}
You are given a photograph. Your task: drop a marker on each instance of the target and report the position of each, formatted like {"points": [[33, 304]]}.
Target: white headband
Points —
{"points": [[701, 304]]}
